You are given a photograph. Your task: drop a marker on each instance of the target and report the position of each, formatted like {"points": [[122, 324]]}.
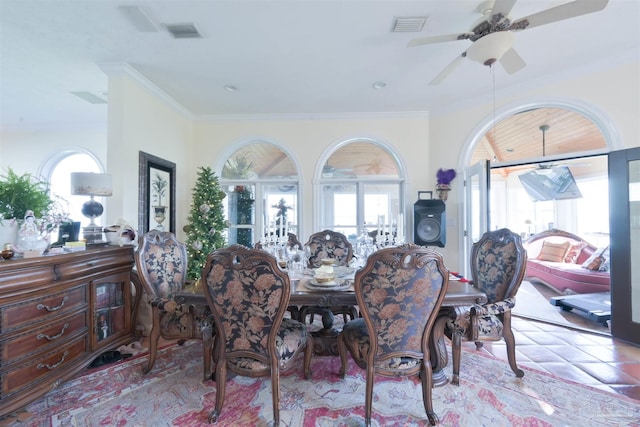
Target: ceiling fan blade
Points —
{"points": [[438, 39], [502, 7], [447, 70], [558, 13], [512, 62]]}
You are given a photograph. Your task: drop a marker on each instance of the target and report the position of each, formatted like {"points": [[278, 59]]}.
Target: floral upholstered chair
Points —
{"points": [[322, 245], [161, 267], [329, 244], [399, 291], [248, 294], [498, 263]]}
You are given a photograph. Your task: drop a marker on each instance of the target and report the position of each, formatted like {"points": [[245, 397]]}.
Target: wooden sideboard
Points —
{"points": [[57, 314]]}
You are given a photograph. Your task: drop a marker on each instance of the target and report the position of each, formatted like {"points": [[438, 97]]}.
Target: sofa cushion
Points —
{"points": [[596, 259], [553, 252], [573, 252]]}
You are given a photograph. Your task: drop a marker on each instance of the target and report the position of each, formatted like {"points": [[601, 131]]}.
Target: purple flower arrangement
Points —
{"points": [[445, 176]]}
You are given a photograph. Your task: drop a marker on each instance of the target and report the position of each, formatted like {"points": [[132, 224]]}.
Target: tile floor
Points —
{"points": [[589, 358]]}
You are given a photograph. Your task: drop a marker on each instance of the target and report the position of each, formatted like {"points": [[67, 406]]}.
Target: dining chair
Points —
{"points": [[322, 245], [328, 244], [248, 295], [498, 264], [161, 268], [399, 291]]}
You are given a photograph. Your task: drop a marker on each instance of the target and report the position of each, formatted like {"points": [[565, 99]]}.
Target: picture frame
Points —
{"points": [[156, 194]]}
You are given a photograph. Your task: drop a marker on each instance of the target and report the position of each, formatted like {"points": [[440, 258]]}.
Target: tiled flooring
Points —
{"points": [[593, 359]]}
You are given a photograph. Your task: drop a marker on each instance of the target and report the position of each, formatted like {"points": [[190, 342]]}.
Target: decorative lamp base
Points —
{"points": [[93, 234]]}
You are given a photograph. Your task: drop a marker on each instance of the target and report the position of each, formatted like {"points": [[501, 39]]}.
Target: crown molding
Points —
{"points": [[315, 116]]}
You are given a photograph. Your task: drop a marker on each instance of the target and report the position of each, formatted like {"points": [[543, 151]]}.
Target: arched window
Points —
{"points": [[58, 172], [548, 170], [361, 190], [261, 183]]}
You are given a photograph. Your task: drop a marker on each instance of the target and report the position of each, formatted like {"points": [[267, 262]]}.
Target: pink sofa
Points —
{"points": [[564, 277]]}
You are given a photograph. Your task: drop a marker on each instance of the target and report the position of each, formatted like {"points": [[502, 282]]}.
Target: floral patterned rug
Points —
{"points": [[174, 394]]}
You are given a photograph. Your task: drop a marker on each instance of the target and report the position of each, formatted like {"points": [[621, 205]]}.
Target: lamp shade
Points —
{"points": [[92, 184]]}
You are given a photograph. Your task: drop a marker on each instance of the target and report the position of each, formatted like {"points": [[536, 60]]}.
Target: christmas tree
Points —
{"points": [[206, 221]]}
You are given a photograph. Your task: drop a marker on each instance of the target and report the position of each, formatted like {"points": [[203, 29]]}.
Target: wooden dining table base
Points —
{"points": [[459, 295]]}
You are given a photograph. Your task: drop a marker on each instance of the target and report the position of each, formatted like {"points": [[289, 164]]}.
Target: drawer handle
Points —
{"points": [[55, 337], [46, 307], [92, 263], [55, 365]]}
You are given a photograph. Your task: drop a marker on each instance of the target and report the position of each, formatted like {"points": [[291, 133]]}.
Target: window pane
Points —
{"points": [[259, 161], [280, 203], [61, 186], [339, 207], [360, 159], [381, 206], [239, 206]]}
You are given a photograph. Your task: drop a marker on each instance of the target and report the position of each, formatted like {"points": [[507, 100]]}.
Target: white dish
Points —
{"points": [[330, 284], [342, 286]]}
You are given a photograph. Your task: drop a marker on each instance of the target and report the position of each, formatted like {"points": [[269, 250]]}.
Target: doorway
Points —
{"points": [[530, 152]]}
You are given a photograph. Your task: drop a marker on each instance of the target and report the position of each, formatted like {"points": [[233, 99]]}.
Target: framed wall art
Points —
{"points": [[156, 194]]}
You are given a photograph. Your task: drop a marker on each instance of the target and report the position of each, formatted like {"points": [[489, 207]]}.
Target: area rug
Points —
{"points": [[174, 394]]}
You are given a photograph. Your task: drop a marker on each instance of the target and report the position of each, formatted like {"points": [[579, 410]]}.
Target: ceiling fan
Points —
{"points": [[493, 36]]}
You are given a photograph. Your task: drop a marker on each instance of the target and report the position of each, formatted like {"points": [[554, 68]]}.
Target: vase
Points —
{"points": [[159, 214], [443, 192]]}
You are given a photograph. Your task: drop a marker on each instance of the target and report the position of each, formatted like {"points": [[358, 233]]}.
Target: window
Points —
{"points": [[60, 169], [361, 190], [261, 183]]}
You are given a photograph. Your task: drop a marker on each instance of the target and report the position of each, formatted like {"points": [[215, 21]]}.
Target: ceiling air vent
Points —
{"points": [[183, 31], [409, 25]]}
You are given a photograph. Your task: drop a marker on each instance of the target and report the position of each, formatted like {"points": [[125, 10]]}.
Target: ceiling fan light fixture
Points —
{"points": [[490, 48]]}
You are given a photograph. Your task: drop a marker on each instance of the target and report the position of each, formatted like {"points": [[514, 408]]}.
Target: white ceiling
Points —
{"points": [[284, 57]]}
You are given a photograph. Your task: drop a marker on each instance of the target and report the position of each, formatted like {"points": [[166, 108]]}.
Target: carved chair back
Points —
{"points": [[399, 292], [329, 244], [498, 262], [161, 261]]}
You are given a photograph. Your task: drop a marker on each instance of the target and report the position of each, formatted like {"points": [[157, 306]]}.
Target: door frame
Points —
{"points": [[621, 262]]}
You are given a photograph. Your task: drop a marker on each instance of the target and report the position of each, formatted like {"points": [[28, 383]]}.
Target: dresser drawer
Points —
{"points": [[39, 309], [51, 334], [47, 367], [95, 264]]}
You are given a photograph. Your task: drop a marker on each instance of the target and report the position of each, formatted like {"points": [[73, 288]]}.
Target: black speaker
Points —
{"points": [[429, 223]]}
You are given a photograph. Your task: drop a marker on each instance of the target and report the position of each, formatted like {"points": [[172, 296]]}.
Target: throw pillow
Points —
{"points": [[573, 252], [553, 252], [595, 260], [605, 261]]}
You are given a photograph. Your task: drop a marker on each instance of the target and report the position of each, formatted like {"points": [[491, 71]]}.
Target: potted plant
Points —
{"points": [[18, 194]]}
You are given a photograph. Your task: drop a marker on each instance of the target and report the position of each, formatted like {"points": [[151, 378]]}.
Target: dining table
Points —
{"points": [[459, 294]]}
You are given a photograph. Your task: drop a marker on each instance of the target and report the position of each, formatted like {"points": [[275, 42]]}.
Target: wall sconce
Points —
{"points": [[92, 184]]}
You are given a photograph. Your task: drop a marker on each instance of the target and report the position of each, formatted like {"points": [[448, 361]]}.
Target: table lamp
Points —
{"points": [[91, 184]]}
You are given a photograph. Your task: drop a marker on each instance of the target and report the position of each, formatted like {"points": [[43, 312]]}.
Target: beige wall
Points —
{"points": [[308, 140], [140, 119]]}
